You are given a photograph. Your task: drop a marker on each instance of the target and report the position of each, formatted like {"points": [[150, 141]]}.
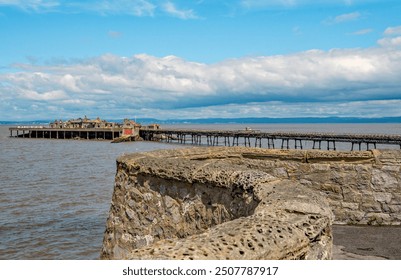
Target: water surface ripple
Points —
{"points": [[55, 194]]}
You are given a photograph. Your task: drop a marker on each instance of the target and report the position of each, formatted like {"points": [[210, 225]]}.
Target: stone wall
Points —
{"points": [[208, 204], [244, 203], [361, 187]]}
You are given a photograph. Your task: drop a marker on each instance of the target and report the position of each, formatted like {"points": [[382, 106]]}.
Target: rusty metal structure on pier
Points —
{"points": [[271, 140]]}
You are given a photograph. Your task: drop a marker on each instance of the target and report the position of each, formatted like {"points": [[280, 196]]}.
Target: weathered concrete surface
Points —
{"points": [[361, 187], [203, 204], [181, 204]]}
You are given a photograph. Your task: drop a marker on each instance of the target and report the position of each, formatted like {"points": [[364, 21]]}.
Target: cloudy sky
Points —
{"points": [[198, 59]]}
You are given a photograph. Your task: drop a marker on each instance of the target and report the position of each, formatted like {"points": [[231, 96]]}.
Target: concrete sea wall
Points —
{"points": [[361, 187], [244, 203]]}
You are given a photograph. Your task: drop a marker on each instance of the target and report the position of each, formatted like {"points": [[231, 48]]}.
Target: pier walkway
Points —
{"points": [[271, 140], [248, 138]]}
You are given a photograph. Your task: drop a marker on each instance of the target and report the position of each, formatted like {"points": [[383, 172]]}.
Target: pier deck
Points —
{"points": [[283, 140], [249, 138]]}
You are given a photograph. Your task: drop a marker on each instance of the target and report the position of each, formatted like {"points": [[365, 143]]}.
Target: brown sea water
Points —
{"points": [[55, 194]]}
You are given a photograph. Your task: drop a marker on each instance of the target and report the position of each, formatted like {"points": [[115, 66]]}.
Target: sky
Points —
{"points": [[176, 59]]}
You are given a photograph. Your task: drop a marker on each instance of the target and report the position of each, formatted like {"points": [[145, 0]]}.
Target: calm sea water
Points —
{"points": [[55, 194]]}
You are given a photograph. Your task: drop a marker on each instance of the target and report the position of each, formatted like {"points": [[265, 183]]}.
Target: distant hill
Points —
{"points": [[280, 120], [236, 120]]}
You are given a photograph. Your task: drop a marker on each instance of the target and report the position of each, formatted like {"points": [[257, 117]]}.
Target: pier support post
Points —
{"points": [[357, 143], [227, 140], [317, 141], [367, 145], [287, 142], [300, 144], [237, 140], [247, 141], [328, 144], [270, 143], [215, 140]]}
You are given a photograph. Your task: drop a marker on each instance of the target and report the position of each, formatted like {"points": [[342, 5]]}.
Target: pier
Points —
{"points": [[91, 130], [40, 132], [79, 129], [271, 140]]}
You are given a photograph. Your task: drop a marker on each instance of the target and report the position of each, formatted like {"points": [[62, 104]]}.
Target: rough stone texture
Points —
{"points": [[361, 187], [205, 203], [244, 203]]}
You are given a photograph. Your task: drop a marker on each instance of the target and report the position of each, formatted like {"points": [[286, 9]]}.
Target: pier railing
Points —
{"points": [[283, 140]]}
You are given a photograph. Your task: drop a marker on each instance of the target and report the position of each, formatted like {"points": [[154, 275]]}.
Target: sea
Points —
{"points": [[55, 194]]}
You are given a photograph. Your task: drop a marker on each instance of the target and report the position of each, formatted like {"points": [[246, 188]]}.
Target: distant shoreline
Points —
{"points": [[328, 120]]}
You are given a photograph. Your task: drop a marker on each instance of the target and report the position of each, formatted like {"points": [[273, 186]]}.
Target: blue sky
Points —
{"points": [[198, 59]]}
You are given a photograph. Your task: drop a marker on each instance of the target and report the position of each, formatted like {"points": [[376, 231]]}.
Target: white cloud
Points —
{"points": [[347, 17], [140, 8], [361, 109], [362, 31], [395, 30], [45, 96], [343, 18], [128, 7], [31, 5], [256, 4], [172, 10], [251, 86], [268, 3], [394, 42]]}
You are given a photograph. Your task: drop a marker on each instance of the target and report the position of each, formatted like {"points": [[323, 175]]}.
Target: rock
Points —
{"points": [[382, 180], [245, 203]]}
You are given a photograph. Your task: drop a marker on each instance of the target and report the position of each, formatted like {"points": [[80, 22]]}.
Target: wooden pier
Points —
{"points": [[271, 140], [42, 132], [248, 138]]}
